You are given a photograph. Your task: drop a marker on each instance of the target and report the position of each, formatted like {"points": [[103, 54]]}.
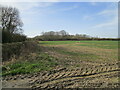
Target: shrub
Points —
{"points": [[20, 48], [9, 37]]}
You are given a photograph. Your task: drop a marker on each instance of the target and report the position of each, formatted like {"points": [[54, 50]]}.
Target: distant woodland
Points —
{"points": [[63, 35]]}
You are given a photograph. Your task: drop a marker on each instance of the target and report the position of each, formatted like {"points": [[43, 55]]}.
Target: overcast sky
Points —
{"points": [[92, 18]]}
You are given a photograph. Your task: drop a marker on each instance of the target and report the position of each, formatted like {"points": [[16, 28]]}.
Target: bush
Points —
{"points": [[12, 37], [16, 49], [10, 49]]}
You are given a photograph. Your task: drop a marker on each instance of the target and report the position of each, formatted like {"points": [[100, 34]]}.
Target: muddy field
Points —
{"points": [[73, 64]]}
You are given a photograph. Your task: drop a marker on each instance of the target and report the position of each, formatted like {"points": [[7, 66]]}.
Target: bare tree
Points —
{"points": [[63, 33], [11, 25], [10, 20]]}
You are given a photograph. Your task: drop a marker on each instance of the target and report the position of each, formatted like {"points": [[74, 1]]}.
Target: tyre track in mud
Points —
{"points": [[70, 81], [62, 77], [74, 75]]}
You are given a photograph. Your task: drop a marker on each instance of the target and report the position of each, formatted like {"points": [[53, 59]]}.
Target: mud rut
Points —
{"points": [[98, 76]]}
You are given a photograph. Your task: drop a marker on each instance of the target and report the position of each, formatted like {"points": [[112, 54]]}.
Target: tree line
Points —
{"points": [[63, 35], [11, 25]]}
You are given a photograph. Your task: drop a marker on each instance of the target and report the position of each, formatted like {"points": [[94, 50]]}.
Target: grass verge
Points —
{"points": [[43, 62]]}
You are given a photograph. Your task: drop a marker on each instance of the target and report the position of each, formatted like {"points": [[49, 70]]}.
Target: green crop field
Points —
{"points": [[101, 44], [70, 54], [95, 51], [66, 61]]}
